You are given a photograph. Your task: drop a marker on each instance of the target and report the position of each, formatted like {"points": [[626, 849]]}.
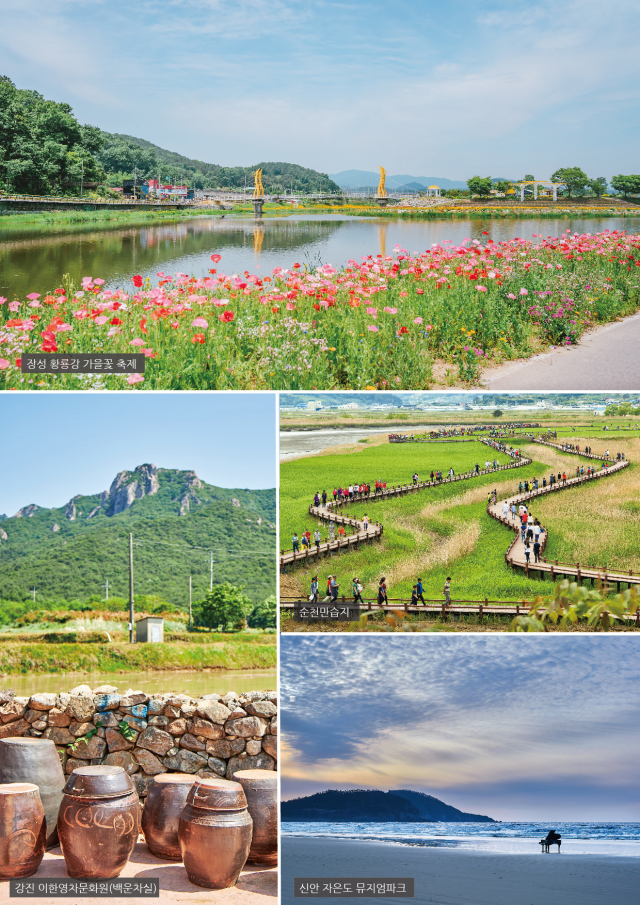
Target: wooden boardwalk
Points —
{"points": [[374, 531]]}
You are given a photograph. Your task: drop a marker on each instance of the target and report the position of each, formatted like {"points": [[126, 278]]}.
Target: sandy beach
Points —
{"points": [[454, 877]]}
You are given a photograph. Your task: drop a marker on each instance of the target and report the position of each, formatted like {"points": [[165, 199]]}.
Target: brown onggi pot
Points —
{"points": [[23, 830], [215, 831], [165, 802], [35, 760], [261, 789], [99, 821]]}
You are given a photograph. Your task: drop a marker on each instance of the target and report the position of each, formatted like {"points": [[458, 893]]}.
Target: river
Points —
{"points": [[192, 682], [34, 259]]}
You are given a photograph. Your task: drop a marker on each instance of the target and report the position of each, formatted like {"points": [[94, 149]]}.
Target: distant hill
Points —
{"points": [[356, 178], [69, 552], [371, 806]]}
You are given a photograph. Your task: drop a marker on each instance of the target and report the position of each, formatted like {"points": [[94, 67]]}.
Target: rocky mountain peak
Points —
{"points": [[26, 511]]}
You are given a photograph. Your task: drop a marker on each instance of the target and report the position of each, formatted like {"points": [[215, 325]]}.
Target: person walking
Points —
{"points": [[536, 549], [505, 509], [382, 592], [357, 591], [314, 589], [334, 589], [332, 531], [324, 497], [328, 597], [294, 541], [420, 591], [527, 552], [317, 538], [446, 590]]}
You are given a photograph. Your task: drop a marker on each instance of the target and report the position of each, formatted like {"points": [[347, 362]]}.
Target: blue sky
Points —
{"points": [[451, 89], [56, 445], [517, 728]]}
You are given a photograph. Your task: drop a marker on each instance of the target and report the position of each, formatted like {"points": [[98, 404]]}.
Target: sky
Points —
{"points": [[468, 87], [56, 445], [515, 728]]}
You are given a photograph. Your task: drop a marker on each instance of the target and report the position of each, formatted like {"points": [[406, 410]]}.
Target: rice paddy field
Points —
{"points": [[446, 531]]}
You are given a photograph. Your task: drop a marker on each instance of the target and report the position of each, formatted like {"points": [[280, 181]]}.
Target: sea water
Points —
{"points": [[506, 838]]}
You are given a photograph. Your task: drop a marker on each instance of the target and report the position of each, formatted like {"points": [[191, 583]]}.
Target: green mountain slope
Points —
{"points": [[176, 519], [372, 806], [118, 155]]}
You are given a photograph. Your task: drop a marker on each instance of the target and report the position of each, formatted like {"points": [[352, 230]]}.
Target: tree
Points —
{"points": [[265, 614], [502, 185], [529, 178], [497, 413], [598, 186], [225, 605], [574, 178], [627, 185], [480, 185], [572, 602]]}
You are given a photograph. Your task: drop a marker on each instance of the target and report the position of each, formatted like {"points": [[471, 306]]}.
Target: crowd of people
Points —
{"points": [[332, 589]]}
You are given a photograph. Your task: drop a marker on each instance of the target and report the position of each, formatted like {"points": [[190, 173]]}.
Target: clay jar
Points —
{"points": [[261, 789], [98, 822], [23, 830], [215, 831], [165, 802], [35, 760]]}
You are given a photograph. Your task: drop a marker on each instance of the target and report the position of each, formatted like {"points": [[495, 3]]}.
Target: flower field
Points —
{"points": [[377, 324]]}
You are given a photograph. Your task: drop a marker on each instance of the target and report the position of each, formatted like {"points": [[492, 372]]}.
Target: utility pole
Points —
{"points": [[131, 626], [211, 572], [135, 174], [189, 602], [82, 178], [106, 584], [34, 593]]}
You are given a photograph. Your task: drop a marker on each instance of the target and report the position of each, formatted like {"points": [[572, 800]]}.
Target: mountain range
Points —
{"points": [[371, 806], [354, 179], [176, 519]]}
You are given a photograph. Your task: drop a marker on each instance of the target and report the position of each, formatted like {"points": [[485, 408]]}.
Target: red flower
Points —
{"points": [[116, 321], [13, 322], [198, 338], [49, 347], [216, 258], [316, 306], [18, 362], [59, 291], [143, 325], [404, 330], [137, 281], [226, 316], [275, 309], [48, 336]]}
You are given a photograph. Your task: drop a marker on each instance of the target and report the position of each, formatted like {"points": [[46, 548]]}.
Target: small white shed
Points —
{"points": [[151, 628]]}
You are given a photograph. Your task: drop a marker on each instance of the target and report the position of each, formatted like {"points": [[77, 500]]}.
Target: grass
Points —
{"points": [[379, 324], [65, 220], [446, 531], [242, 651]]}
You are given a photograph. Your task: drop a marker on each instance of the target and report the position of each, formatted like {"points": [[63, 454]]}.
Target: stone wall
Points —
{"points": [[210, 736]]}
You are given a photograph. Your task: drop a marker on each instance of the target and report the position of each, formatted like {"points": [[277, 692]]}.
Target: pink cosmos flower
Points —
{"points": [[372, 311], [511, 295], [200, 322], [63, 328], [417, 320], [524, 292], [135, 378], [136, 342], [35, 305], [2, 300], [372, 328], [101, 320], [4, 364], [98, 281], [290, 306], [481, 288], [33, 296], [391, 310], [14, 306]]}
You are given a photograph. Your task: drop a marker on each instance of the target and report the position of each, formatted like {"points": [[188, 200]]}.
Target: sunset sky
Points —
{"points": [[514, 727], [426, 88]]}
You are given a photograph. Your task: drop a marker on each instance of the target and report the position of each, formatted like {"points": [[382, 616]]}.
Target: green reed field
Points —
{"points": [[446, 531]]}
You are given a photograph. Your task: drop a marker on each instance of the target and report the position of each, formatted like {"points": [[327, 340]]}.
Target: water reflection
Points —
{"points": [[34, 261]]}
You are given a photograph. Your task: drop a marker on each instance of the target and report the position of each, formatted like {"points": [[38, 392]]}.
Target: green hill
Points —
{"points": [[372, 806], [118, 156], [176, 519]]}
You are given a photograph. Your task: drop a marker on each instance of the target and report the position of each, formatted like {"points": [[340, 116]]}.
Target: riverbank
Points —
{"points": [[66, 221], [25, 658], [455, 877]]}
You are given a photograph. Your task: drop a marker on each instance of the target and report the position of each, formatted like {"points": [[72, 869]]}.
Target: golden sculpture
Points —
{"points": [[382, 192], [258, 191]]}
